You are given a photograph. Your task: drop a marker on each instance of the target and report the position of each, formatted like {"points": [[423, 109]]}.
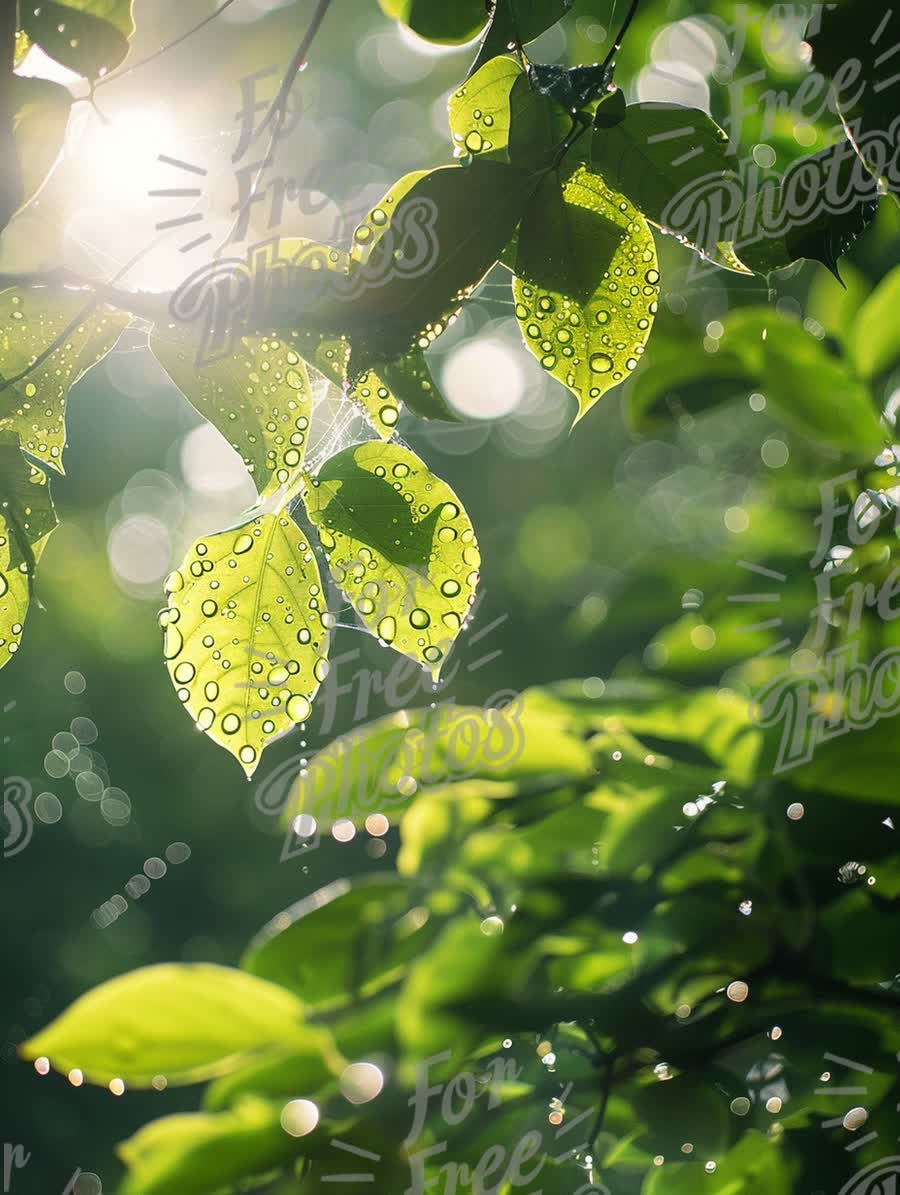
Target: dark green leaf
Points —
{"points": [[75, 37]]}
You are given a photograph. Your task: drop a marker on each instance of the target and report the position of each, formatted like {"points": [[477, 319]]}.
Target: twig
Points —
{"points": [[164, 49], [276, 111], [617, 44]]}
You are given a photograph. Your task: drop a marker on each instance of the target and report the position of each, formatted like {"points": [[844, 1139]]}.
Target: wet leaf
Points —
{"points": [[31, 322], [587, 286], [75, 36], [479, 111], [400, 545], [449, 227], [188, 1022], [665, 159], [259, 397], [27, 518], [406, 380], [518, 22], [824, 203], [245, 634]]}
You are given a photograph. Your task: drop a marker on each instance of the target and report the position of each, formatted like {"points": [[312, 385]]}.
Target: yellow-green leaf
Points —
{"points": [[197, 1152], [479, 110], [245, 634], [27, 518], [39, 126], [186, 1022], [259, 397], [602, 245], [382, 408], [400, 545], [31, 322]]}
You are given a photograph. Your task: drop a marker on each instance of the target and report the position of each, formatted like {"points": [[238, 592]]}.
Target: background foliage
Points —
{"points": [[614, 552]]}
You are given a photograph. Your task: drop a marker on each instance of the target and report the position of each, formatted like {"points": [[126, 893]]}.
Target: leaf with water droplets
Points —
{"points": [[246, 634], [587, 301], [400, 545], [186, 1022], [479, 112], [408, 380], [259, 397], [79, 34], [31, 321], [673, 164], [27, 518], [421, 252]]}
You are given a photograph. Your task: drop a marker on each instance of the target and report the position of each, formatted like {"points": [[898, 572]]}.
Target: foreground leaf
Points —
{"points": [[31, 322], [27, 518], [195, 1153], [186, 1022], [245, 635], [518, 22], [259, 397], [663, 157], [39, 125], [586, 304], [73, 35], [400, 545], [479, 111]]}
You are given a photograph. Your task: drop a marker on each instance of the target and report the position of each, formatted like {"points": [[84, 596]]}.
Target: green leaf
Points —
{"points": [[116, 12], [74, 36], [381, 767], [592, 238], [754, 1166], [680, 376], [450, 226], [27, 518], [479, 111], [245, 634], [873, 341], [574, 87], [661, 157], [538, 126], [447, 24], [31, 323], [824, 203], [400, 545], [518, 22], [187, 1022], [201, 1152], [331, 947], [39, 126], [813, 392], [259, 397], [410, 380], [281, 1071]]}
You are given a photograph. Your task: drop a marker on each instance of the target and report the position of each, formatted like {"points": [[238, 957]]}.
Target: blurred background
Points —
{"points": [[605, 552]]}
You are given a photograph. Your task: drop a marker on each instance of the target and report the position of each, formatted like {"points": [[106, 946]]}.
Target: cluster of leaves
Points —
{"points": [[560, 181], [601, 910]]}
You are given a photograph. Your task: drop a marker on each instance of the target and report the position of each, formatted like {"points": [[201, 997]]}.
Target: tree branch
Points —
{"points": [[617, 44]]}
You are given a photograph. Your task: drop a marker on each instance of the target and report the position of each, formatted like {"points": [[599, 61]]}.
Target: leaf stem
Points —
{"points": [[617, 44]]}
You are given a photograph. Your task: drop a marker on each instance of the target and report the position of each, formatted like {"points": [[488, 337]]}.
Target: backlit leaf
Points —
{"points": [[31, 322], [596, 239], [259, 397], [449, 24], [400, 545], [74, 36], [873, 341], [39, 125], [200, 1152], [187, 1022], [26, 519], [664, 158], [245, 634], [479, 111]]}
